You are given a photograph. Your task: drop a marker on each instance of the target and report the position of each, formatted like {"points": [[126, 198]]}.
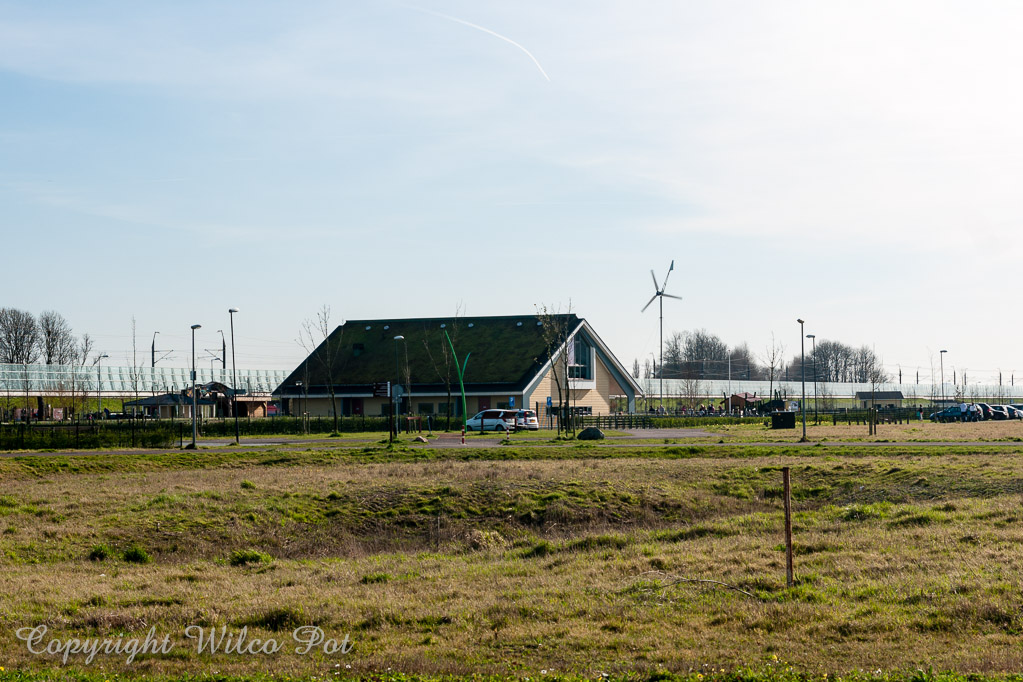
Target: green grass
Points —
{"points": [[509, 561]]}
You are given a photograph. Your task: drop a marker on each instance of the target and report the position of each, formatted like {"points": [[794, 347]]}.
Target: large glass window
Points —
{"points": [[580, 361]]}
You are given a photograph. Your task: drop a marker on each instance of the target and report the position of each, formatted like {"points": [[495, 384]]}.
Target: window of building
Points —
{"points": [[425, 408], [580, 360]]}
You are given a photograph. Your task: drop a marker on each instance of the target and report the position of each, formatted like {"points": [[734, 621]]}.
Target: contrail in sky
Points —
{"points": [[485, 30]]}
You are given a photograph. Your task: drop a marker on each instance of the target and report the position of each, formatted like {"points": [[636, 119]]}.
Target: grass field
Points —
{"points": [[530, 561]]}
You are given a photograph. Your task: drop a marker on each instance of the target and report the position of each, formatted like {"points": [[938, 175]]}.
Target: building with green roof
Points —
{"points": [[509, 365]]}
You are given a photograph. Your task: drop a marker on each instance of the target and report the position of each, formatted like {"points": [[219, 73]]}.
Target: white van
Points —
{"points": [[492, 420]]}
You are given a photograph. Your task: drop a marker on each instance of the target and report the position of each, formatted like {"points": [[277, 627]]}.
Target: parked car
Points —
{"points": [[999, 412], [526, 419], [985, 410], [949, 414], [1014, 412], [492, 420]]}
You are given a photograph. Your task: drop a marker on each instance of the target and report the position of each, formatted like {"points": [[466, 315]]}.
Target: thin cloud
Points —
{"points": [[485, 30]]}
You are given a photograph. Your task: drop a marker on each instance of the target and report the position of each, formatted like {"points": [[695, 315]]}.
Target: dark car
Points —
{"points": [[998, 412], [1014, 412], [985, 410], [949, 414]]}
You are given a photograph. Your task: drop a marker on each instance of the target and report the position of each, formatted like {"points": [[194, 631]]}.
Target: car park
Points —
{"points": [[492, 420], [526, 419]]}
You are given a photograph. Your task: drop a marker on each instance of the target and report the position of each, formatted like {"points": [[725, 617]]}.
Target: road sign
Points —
{"points": [[511, 401], [382, 389], [549, 403]]}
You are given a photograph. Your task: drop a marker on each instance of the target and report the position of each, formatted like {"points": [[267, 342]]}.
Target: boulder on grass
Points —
{"points": [[591, 433], [420, 439]]}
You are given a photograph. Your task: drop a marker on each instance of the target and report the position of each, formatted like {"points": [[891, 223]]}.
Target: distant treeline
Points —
{"points": [[701, 355]]}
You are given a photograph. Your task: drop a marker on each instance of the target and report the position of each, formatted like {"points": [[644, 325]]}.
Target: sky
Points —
{"points": [[856, 164]]}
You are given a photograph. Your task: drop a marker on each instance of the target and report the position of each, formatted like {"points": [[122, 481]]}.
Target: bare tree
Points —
{"points": [[57, 342], [78, 382], [744, 364], [327, 351], [635, 368], [773, 359], [136, 370], [555, 328], [446, 367], [19, 337]]}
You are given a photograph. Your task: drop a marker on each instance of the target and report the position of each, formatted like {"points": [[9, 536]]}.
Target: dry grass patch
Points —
{"points": [[514, 567]]}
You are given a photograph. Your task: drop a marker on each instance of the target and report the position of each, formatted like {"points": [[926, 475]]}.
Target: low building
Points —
{"points": [[171, 406], [882, 399], [507, 364], [742, 401]]}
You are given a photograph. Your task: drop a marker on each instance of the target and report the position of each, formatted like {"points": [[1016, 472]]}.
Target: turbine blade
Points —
{"points": [[666, 280], [648, 303], [670, 296], [654, 278]]}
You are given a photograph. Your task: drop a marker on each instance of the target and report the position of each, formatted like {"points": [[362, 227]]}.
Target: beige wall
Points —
{"points": [[597, 399], [373, 407]]}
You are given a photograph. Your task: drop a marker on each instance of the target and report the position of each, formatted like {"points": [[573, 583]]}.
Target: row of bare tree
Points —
{"points": [[47, 339], [701, 355]]}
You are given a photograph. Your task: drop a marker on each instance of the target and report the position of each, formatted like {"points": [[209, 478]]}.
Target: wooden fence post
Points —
{"points": [[789, 580]]}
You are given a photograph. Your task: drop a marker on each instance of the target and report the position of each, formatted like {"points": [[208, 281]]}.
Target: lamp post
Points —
{"points": [[99, 384], [195, 401], [154, 350], [397, 376], [301, 411], [223, 350], [802, 372], [941, 358], [653, 371], [234, 379], [813, 342]]}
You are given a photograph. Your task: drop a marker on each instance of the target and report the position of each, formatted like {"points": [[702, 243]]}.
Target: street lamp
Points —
{"points": [[397, 373], [223, 350], [301, 412], [195, 401], [802, 372], [813, 341], [99, 384], [653, 371], [234, 371], [941, 357]]}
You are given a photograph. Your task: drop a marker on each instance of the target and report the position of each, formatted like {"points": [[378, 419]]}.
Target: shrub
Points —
{"points": [[99, 553], [136, 555], [540, 549], [248, 485], [244, 557], [375, 578], [276, 620]]}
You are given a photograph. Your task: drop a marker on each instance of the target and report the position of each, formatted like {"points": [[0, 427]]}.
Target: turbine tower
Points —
{"points": [[660, 296]]}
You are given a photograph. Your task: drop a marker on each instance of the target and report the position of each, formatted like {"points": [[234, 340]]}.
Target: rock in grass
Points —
{"points": [[420, 439], [591, 433]]}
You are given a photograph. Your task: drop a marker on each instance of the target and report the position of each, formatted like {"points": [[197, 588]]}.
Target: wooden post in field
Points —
{"points": [[788, 526]]}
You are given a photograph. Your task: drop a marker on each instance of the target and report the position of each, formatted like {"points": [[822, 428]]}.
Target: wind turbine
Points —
{"points": [[660, 296]]}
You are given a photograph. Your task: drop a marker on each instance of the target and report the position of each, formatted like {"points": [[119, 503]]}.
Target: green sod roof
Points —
{"points": [[505, 353]]}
